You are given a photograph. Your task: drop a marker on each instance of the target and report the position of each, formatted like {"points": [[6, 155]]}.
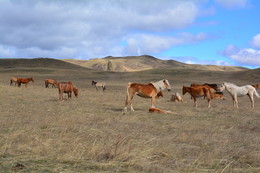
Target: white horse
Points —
{"points": [[237, 91]]}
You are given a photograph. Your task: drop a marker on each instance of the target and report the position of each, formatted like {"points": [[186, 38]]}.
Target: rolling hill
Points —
{"points": [[144, 62]]}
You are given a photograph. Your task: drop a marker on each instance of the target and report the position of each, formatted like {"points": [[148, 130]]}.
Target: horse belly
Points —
{"points": [[142, 95]]}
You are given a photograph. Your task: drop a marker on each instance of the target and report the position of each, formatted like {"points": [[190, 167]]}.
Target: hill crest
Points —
{"points": [[143, 62]]}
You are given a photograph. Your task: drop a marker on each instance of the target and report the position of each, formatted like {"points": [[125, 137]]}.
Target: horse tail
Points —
{"points": [[11, 82], [256, 93]]}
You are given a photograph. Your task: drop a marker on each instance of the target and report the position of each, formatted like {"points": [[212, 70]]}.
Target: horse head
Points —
{"points": [[184, 90], [167, 85], [93, 82], [76, 91], [31, 79], [222, 87]]}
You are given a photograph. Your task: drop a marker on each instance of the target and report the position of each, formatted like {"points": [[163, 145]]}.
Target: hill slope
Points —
{"points": [[144, 62], [37, 63]]}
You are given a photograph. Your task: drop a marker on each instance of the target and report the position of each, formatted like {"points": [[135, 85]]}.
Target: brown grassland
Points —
{"points": [[90, 133]]}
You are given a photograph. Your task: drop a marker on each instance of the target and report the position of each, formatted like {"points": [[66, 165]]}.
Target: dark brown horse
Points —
{"points": [[67, 87], [53, 82], [24, 81]]}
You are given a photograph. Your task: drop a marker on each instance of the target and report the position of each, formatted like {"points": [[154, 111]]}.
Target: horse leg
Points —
{"points": [[129, 98], [11, 82], [60, 95], [96, 87], [251, 97], [153, 102]]}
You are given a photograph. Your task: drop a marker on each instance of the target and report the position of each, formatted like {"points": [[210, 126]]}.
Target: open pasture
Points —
{"points": [[90, 133]]}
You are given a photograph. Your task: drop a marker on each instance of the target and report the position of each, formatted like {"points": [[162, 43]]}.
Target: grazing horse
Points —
{"points": [[237, 91], [24, 81], [198, 91], [67, 87], [53, 82], [13, 80], [151, 90], [99, 84]]}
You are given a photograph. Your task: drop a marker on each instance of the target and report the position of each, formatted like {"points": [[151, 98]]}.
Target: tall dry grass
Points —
{"points": [[38, 133]]}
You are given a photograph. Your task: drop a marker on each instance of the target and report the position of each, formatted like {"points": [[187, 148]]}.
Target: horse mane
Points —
{"points": [[229, 83]]}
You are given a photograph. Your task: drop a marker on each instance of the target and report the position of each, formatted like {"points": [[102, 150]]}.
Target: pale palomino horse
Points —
{"points": [[238, 91], [149, 90], [99, 84], [13, 80]]}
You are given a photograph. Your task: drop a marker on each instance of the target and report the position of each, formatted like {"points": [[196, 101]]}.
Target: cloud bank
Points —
{"points": [[89, 29]]}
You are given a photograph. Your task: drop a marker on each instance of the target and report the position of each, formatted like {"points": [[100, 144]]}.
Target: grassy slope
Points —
{"points": [[90, 133], [144, 62]]}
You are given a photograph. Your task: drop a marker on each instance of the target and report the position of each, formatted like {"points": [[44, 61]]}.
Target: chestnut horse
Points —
{"points": [[67, 87], [151, 90], [53, 82], [256, 86], [198, 91], [24, 81], [13, 80]]}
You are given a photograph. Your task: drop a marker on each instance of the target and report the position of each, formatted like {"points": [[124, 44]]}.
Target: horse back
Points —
{"points": [[143, 90]]}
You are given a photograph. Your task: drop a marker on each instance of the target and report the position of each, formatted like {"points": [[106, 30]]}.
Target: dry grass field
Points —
{"points": [[90, 133]]}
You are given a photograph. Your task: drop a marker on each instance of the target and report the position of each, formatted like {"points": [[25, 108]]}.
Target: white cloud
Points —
{"points": [[246, 56], [256, 41], [88, 28], [156, 43], [232, 3]]}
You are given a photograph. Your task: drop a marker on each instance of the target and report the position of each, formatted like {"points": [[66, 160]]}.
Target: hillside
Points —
{"points": [[144, 62], [37, 63]]}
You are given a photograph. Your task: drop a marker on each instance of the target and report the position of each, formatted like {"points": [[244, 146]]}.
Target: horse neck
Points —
{"points": [[159, 85]]}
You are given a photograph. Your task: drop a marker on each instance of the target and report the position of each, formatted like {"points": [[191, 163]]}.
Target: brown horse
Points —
{"points": [[13, 80], [67, 87], [53, 82], [150, 90], [24, 81], [198, 91]]}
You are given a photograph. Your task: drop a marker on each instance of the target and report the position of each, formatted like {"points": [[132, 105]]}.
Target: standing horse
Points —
{"points": [[198, 91], [151, 90], [53, 82], [99, 84], [13, 80], [67, 87], [24, 81], [238, 91]]}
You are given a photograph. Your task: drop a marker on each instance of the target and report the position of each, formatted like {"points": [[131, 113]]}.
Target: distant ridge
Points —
{"points": [[37, 63], [143, 62]]}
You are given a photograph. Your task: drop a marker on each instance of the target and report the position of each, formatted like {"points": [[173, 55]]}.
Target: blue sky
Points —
{"points": [[218, 32]]}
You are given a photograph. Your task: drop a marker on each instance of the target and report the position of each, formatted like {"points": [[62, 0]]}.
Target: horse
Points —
{"points": [[238, 91], [151, 90], [213, 86], [198, 91], [53, 82], [67, 87], [13, 80], [24, 81], [99, 84], [256, 86], [176, 97]]}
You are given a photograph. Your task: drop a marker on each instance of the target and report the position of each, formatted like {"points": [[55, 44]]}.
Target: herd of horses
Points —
{"points": [[153, 90]]}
